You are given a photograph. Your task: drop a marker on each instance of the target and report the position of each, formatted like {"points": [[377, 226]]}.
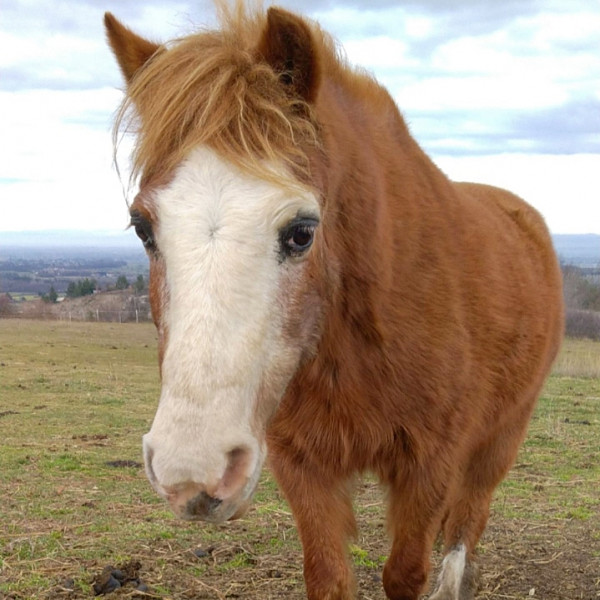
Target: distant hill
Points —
{"points": [[579, 250], [68, 239], [33, 262], [71, 245]]}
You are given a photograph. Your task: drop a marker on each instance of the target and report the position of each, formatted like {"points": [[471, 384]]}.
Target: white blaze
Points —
{"points": [[218, 234]]}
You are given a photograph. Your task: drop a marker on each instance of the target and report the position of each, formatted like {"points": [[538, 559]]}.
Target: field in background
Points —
{"points": [[75, 399]]}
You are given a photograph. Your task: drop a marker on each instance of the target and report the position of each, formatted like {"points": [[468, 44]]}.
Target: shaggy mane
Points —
{"points": [[214, 88]]}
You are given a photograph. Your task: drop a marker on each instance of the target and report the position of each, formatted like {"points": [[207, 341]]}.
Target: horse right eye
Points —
{"points": [[143, 229]]}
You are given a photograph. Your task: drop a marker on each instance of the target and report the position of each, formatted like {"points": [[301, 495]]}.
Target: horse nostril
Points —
{"points": [[148, 455], [202, 504], [236, 474]]}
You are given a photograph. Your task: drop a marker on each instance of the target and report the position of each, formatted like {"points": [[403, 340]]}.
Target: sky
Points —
{"points": [[502, 92]]}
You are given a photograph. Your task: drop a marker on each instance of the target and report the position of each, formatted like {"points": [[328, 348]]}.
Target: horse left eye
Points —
{"points": [[298, 237]]}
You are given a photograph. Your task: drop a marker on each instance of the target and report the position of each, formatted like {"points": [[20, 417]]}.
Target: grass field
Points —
{"points": [[75, 399]]}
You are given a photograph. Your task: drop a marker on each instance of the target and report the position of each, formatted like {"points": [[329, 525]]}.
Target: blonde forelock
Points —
{"points": [[213, 88]]}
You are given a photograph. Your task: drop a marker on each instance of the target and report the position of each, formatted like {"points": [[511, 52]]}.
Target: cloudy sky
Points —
{"points": [[499, 91]]}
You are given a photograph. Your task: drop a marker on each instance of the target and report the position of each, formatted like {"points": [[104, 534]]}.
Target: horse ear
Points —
{"points": [[131, 50], [288, 46]]}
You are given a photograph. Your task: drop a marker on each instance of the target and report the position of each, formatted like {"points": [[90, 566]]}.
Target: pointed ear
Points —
{"points": [[131, 50], [288, 46]]}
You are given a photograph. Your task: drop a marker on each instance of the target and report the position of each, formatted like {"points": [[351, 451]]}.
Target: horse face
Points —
{"points": [[231, 262]]}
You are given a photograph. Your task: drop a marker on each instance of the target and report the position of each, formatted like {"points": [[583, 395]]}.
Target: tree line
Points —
{"points": [[582, 303], [86, 287]]}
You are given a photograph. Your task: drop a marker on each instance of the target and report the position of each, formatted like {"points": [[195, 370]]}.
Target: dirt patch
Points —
{"points": [[553, 562], [93, 437], [98, 439], [6, 413], [123, 464]]}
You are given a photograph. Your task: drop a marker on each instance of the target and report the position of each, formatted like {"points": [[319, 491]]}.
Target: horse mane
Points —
{"points": [[214, 88]]}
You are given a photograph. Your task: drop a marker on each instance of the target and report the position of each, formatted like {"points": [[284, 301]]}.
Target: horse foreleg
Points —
{"points": [[322, 509], [469, 509], [414, 520]]}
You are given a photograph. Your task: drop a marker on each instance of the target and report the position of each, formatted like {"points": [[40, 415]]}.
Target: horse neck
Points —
{"points": [[381, 194]]}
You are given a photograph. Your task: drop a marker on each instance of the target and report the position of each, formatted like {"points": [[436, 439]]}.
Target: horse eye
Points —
{"points": [[143, 229], [298, 237]]}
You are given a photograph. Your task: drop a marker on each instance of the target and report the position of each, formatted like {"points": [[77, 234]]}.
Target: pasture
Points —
{"points": [[75, 399]]}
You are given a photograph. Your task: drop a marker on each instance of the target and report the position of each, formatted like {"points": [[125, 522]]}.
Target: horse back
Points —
{"points": [[529, 224], [517, 249]]}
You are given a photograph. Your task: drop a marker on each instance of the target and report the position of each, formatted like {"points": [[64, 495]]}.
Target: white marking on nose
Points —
{"points": [[218, 235]]}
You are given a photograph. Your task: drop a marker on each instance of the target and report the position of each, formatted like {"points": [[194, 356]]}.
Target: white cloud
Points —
{"points": [[471, 77], [418, 27], [564, 188], [380, 52], [55, 171], [509, 92]]}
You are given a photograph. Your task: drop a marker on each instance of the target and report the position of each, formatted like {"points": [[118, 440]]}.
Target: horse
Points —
{"points": [[326, 296]]}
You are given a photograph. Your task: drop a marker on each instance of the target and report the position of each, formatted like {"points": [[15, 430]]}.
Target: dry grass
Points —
{"points": [[579, 358]]}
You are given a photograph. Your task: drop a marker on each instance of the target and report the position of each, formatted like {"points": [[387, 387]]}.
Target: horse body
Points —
{"points": [[332, 296]]}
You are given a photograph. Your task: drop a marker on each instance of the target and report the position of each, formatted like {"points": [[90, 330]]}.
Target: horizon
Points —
{"points": [[128, 237], [69, 238]]}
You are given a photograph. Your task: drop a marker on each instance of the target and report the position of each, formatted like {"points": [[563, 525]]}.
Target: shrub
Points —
{"points": [[583, 324], [122, 283], [580, 291], [7, 305]]}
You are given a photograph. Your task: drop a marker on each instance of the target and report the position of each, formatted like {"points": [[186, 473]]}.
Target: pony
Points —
{"points": [[326, 296]]}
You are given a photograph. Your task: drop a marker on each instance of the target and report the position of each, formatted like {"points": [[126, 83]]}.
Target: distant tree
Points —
{"points": [[83, 287], [140, 285], [88, 286], [72, 291], [51, 297], [122, 283]]}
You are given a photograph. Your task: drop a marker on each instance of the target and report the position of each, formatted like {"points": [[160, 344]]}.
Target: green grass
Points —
{"points": [[559, 464], [75, 396]]}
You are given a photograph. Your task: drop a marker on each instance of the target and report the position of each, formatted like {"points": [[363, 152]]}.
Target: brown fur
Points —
{"points": [[441, 302]]}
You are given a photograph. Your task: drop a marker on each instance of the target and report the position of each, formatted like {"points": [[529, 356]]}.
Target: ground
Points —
{"points": [[75, 399], [519, 559]]}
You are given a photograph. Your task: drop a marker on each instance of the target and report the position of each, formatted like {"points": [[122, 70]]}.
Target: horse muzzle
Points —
{"points": [[217, 501], [192, 503]]}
